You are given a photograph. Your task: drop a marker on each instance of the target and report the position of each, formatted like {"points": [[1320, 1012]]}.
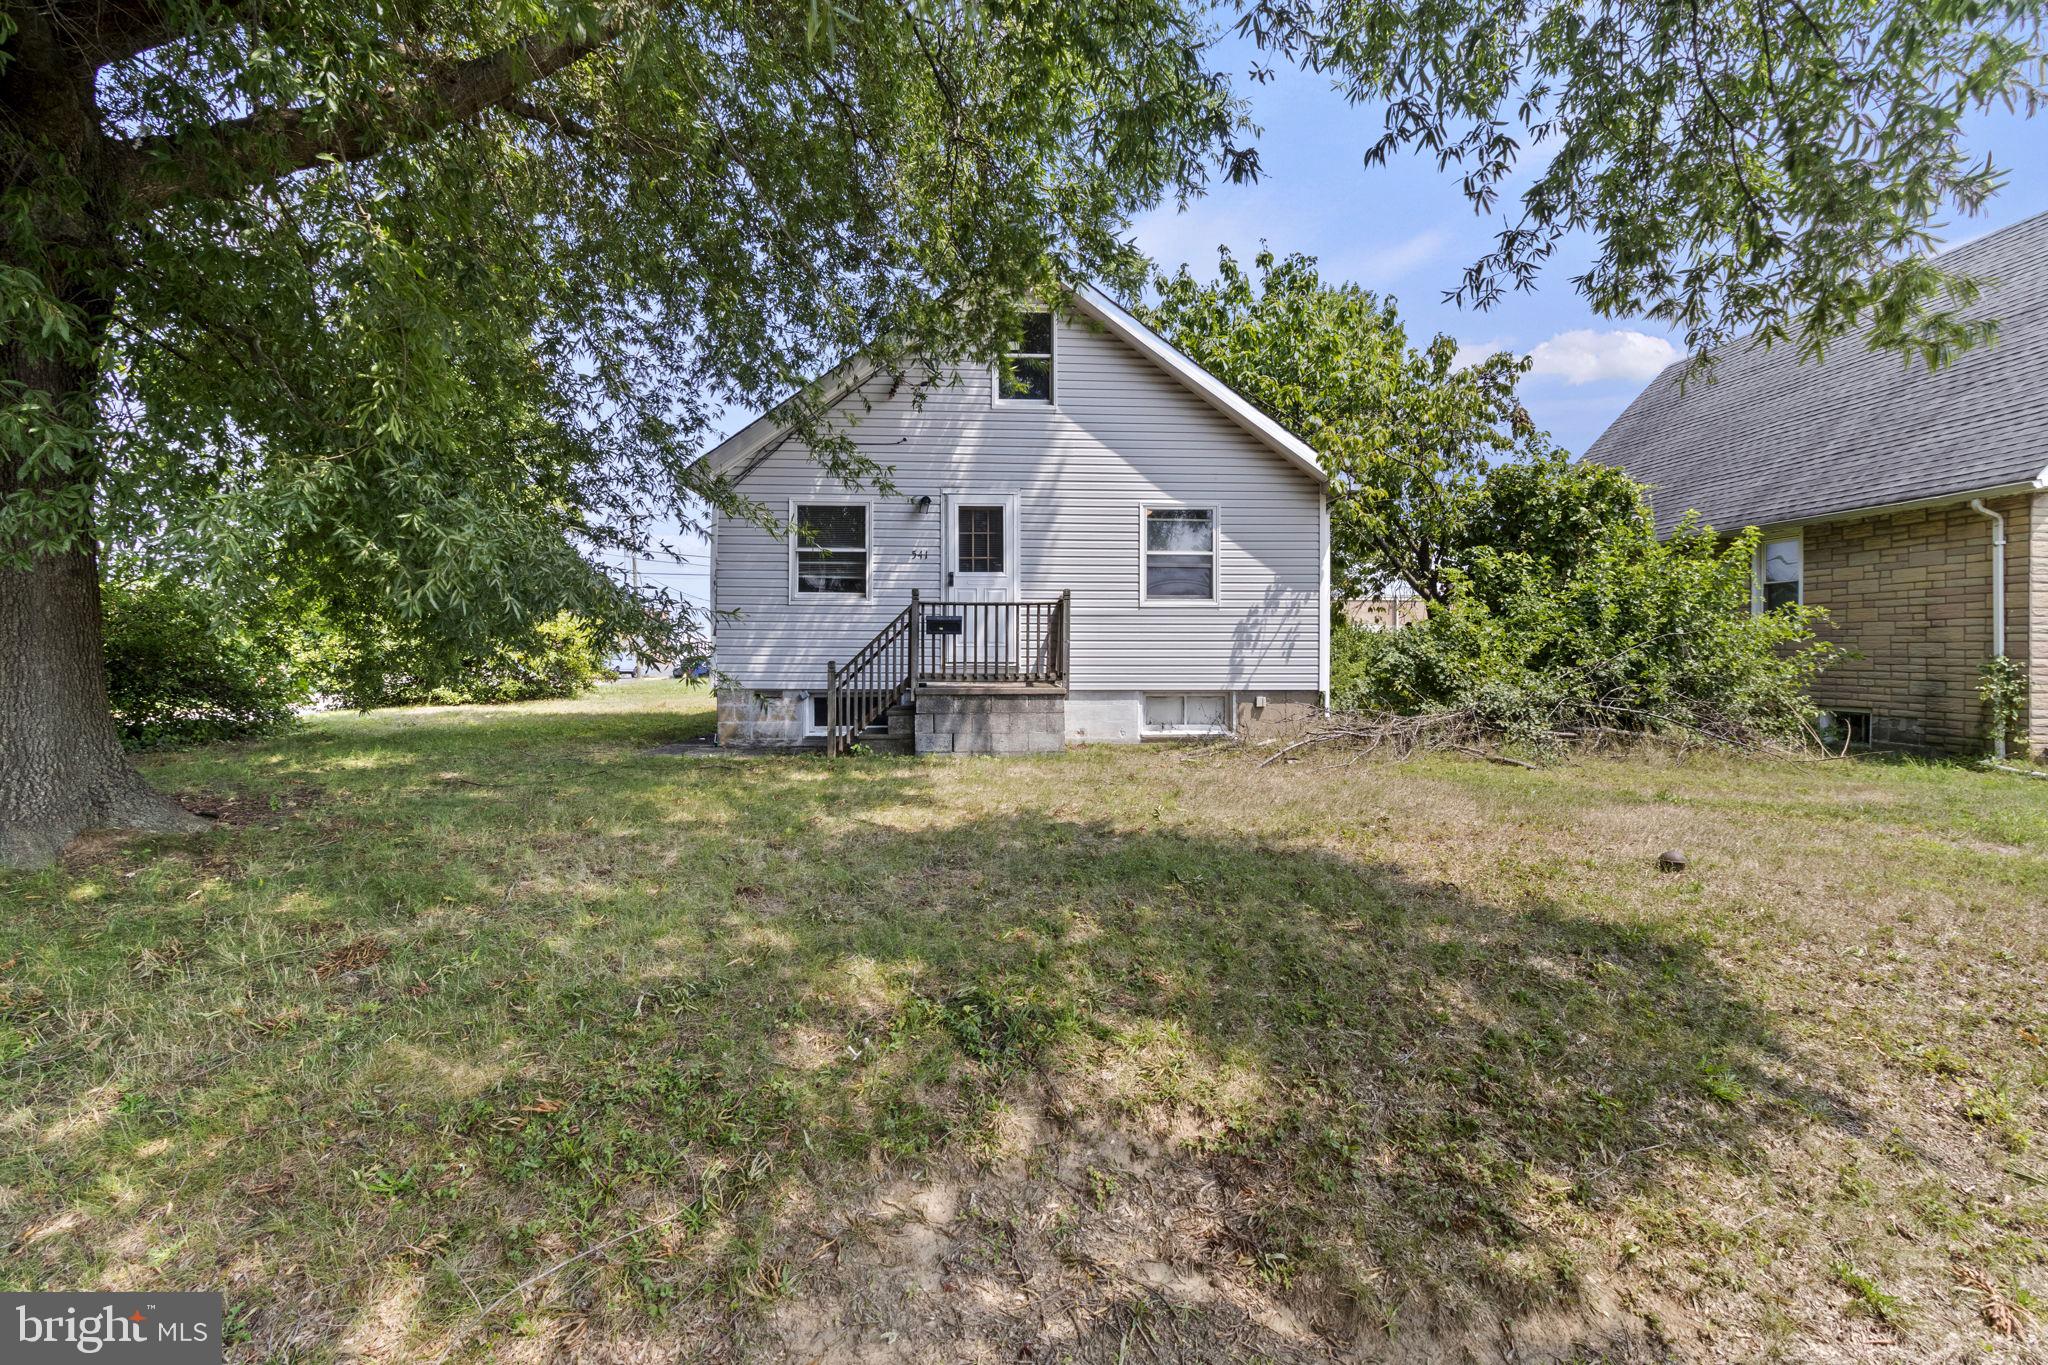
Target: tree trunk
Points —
{"points": [[61, 765], [62, 769]]}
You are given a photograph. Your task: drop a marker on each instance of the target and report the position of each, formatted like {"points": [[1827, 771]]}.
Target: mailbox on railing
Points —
{"points": [[991, 643], [947, 644]]}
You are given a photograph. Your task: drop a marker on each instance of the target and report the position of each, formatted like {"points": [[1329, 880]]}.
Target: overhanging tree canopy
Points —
{"points": [[396, 298], [393, 298]]}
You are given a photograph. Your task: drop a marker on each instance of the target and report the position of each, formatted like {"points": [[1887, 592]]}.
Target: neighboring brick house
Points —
{"points": [[1880, 488]]}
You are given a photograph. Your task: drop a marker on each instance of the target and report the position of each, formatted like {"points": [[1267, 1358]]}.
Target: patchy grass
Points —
{"points": [[483, 1034]]}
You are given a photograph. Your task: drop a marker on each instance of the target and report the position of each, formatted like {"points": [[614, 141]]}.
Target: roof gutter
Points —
{"points": [[1879, 509], [1997, 598]]}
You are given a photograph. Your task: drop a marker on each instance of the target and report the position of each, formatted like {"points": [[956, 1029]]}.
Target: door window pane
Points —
{"points": [[981, 540]]}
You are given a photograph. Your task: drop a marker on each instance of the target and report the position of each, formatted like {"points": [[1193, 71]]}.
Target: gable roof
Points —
{"points": [[759, 435], [1771, 440]]}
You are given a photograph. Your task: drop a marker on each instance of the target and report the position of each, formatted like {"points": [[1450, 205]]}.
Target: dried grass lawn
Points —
{"points": [[481, 1034]]}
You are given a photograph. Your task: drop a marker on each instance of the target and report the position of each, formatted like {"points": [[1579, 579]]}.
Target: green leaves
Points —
{"points": [[1405, 434], [1633, 634], [1740, 165], [353, 310]]}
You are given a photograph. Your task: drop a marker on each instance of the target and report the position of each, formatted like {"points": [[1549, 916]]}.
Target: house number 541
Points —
{"points": [[920, 554]]}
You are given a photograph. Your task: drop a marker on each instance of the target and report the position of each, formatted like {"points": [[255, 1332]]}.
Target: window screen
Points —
{"points": [[831, 549], [1180, 552], [981, 540]]}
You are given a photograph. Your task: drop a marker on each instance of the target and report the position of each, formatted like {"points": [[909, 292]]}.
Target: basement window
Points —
{"points": [[1187, 713], [817, 725], [1853, 726]]}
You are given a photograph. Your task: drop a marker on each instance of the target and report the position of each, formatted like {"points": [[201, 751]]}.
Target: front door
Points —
{"points": [[981, 569]]}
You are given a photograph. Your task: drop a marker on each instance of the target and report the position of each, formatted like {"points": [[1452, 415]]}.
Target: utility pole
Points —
{"points": [[639, 664]]}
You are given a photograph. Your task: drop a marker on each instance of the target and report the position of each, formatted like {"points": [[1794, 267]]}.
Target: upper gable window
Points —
{"points": [[1025, 373]]}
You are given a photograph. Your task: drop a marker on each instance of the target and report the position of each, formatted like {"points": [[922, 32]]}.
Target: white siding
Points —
{"points": [[1122, 434]]}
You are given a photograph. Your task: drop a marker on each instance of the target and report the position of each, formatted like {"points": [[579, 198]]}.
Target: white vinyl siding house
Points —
{"points": [[1196, 552]]}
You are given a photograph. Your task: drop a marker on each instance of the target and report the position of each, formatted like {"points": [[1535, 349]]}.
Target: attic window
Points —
{"points": [[1024, 374]]}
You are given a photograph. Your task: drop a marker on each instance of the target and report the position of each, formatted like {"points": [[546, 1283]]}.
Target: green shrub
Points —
{"points": [[2002, 683], [1639, 635], [183, 669], [557, 658]]}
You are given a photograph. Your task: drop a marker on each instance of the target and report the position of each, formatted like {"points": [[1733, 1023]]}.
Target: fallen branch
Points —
{"points": [[1580, 723]]}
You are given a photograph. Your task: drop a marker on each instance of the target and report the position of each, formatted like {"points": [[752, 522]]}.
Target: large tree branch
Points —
{"points": [[226, 158]]}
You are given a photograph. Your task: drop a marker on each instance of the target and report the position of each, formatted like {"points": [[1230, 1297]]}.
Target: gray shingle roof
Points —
{"points": [[1772, 440]]}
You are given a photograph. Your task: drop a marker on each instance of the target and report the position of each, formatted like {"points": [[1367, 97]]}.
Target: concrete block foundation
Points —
{"points": [[970, 724]]}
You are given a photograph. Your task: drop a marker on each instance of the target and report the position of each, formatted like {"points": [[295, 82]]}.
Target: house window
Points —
{"points": [[981, 540], [1853, 726], [1179, 553], [820, 703], [1025, 374], [1186, 713], [1782, 570], [828, 555]]}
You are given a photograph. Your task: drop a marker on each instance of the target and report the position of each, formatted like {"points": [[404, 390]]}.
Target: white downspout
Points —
{"points": [[1997, 596]]}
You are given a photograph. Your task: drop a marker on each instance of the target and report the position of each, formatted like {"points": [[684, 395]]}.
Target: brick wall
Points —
{"points": [[1911, 593]]}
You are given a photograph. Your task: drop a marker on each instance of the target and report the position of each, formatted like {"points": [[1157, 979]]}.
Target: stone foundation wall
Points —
{"points": [[762, 720], [1283, 713], [967, 724]]}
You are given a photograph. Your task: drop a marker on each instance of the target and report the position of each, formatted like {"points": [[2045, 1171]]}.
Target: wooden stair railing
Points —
{"points": [[874, 680]]}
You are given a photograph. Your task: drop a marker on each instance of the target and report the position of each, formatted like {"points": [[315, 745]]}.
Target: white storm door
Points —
{"points": [[981, 570]]}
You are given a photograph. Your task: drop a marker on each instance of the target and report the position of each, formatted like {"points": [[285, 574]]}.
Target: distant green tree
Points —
{"points": [[384, 667], [1428, 460]]}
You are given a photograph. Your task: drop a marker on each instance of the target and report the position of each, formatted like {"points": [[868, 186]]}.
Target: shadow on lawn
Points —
{"points": [[746, 988], [1410, 1102]]}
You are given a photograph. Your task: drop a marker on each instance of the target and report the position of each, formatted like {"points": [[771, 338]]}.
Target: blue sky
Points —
{"points": [[1404, 229]]}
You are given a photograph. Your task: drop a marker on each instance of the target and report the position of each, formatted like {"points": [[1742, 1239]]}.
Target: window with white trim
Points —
{"points": [[1781, 574], [1024, 375], [828, 549], [1187, 713], [815, 716], [1179, 554]]}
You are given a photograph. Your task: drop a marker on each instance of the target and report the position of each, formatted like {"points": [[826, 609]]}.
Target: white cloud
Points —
{"points": [[1584, 356]]}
